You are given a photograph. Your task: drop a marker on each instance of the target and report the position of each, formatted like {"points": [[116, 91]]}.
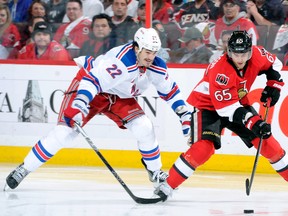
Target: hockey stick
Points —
{"points": [[249, 183], [135, 198]]}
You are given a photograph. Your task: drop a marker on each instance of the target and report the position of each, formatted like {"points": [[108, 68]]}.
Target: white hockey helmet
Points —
{"points": [[147, 38]]}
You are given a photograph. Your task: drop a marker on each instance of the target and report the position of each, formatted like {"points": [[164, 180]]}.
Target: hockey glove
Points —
{"points": [[76, 112], [259, 127], [185, 118], [272, 90]]}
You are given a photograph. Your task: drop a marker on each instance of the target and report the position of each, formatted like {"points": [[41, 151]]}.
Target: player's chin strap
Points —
{"points": [[139, 200]]}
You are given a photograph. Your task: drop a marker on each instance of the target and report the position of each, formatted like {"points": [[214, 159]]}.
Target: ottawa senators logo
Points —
{"points": [[241, 93], [242, 89], [222, 79]]}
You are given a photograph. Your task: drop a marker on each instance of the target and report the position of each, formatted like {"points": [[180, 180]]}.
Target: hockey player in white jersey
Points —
{"points": [[109, 85]]}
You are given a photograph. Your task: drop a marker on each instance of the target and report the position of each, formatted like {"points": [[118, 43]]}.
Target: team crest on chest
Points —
{"points": [[222, 79]]}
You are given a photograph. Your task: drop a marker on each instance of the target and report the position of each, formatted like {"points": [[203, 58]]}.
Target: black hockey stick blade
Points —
{"points": [[247, 187], [138, 200], [141, 200]]}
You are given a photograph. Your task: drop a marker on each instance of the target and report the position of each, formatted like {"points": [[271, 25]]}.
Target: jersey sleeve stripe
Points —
{"points": [[88, 63], [158, 70], [94, 81], [174, 91], [124, 50]]}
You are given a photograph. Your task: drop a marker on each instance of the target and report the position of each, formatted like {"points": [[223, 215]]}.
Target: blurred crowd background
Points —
{"points": [[192, 32]]}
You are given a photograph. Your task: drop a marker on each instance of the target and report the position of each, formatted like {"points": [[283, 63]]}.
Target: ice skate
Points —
{"points": [[164, 191], [157, 176], [15, 177]]}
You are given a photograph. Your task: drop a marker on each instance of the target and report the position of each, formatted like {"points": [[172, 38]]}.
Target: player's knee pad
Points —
{"points": [[143, 131], [60, 137], [199, 153], [270, 149]]}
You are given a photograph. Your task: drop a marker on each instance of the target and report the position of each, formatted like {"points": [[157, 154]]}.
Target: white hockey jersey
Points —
{"points": [[117, 72]]}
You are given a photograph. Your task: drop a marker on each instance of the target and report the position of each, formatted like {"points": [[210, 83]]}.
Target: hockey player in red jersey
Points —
{"points": [[220, 101]]}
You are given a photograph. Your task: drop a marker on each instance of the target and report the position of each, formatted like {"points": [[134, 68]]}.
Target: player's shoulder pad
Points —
{"points": [[159, 62], [125, 54], [258, 53], [158, 66], [219, 63]]}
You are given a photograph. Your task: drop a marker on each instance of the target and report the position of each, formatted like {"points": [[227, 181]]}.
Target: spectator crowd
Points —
{"points": [[194, 32]]}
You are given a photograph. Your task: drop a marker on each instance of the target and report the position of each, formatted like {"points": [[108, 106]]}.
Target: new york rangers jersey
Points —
{"points": [[117, 72], [224, 88]]}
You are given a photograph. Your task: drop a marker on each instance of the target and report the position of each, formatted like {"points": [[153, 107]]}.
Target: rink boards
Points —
{"points": [[120, 148]]}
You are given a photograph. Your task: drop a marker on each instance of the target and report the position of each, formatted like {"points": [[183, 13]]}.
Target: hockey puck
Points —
{"points": [[248, 211]]}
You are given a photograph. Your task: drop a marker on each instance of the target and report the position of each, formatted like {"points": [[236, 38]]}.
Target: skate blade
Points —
{"points": [[6, 187]]}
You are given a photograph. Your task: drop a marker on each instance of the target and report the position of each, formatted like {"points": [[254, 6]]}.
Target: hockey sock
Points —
{"points": [[270, 149], [46, 148], [284, 173], [36, 157], [281, 166], [276, 155], [186, 164]]}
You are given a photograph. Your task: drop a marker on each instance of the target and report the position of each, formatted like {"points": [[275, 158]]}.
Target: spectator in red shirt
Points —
{"points": [[43, 48], [73, 34], [162, 11], [232, 20], [26, 37], [9, 34]]}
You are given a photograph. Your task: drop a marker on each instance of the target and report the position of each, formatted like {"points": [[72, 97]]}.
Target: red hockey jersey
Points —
{"points": [[223, 89], [54, 52], [240, 24], [78, 34]]}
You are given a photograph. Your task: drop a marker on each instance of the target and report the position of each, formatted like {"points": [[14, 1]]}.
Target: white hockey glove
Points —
{"points": [[185, 118], [76, 112]]}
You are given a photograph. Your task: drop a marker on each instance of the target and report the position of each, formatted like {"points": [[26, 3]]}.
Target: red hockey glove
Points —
{"points": [[259, 127], [272, 90], [76, 112]]}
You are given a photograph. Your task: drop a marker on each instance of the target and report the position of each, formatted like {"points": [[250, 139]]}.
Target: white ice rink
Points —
{"points": [[87, 191]]}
